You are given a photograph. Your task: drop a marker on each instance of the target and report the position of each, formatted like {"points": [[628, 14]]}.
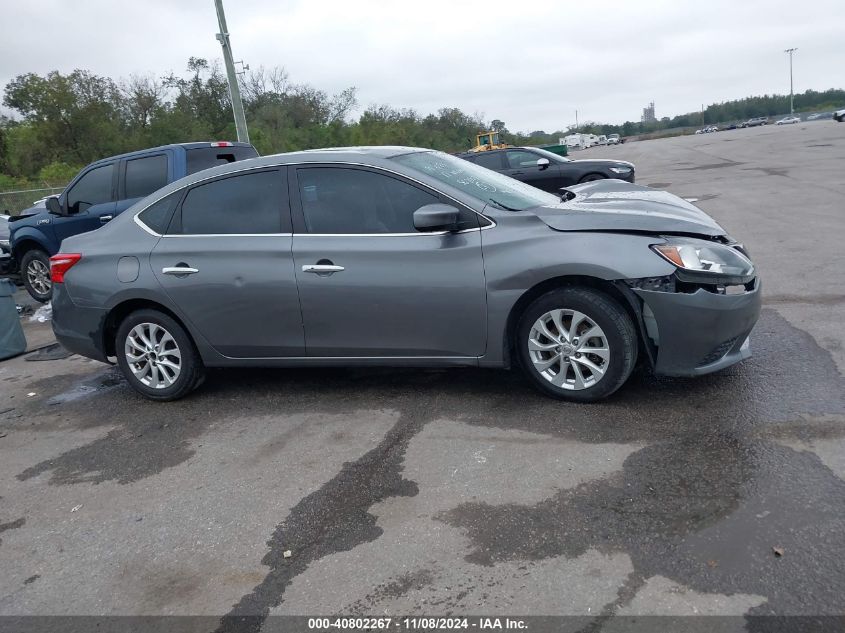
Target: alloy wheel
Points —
{"points": [[38, 276], [153, 355], [569, 349]]}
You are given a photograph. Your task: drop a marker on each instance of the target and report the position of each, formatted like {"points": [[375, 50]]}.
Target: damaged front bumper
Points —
{"points": [[695, 331]]}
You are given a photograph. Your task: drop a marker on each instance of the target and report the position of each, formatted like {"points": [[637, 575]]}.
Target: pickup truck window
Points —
{"points": [[145, 175], [95, 187], [246, 204], [207, 157]]}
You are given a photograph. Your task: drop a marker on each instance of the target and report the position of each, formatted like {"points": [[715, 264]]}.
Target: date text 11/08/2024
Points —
{"points": [[415, 623]]}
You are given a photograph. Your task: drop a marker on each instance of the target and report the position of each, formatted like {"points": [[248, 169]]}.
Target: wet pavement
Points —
{"points": [[464, 491]]}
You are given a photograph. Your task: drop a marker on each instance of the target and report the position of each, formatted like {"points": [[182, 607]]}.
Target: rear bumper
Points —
{"points": [[701, 332], [79, 330]]}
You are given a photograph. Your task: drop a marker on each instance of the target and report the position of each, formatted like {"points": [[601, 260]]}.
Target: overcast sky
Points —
{"points": [[530, 64]]}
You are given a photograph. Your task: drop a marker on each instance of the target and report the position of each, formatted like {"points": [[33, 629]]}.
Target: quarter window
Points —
{"points": [[95, 187], [355, 201], [145, 175], [245, 204], [157, 216]]}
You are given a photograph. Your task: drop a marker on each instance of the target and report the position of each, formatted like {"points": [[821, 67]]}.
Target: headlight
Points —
{"points": [[5, 244], [707, 259], [620, 170]]}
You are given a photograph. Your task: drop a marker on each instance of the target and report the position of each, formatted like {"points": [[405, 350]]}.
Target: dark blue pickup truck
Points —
{"points": [[101, 191]]}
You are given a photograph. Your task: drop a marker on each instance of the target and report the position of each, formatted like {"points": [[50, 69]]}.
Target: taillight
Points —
{"points": [[221, 144], [60, 264]]}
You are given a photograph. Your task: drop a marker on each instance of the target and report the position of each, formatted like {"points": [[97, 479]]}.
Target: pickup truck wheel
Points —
{"points": [[35, 272], [157, 356]]}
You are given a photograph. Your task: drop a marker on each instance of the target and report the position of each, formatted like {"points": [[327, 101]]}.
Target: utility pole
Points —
{"points": [[234, 90], [791, 102], [576, 120]]}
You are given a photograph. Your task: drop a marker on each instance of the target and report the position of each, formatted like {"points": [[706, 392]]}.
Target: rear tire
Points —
{"points": [[576, 344], [157, 357], [35, 274]]}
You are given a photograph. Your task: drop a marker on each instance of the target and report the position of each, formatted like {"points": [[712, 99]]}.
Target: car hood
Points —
{"points": [[616, 205]]}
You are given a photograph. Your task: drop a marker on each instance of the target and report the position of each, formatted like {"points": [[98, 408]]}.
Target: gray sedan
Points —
{"points": [[404, 257]]}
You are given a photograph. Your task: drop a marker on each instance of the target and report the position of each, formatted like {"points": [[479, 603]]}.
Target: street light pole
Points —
{"points": [[234, 90], [791, 102]]}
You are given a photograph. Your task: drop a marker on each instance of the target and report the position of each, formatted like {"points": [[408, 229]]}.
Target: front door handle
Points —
{"points": [[179, 270], [106, 218], [322, 269]]}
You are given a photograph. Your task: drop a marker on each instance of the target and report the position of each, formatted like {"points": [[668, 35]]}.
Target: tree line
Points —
{"points": [[65, 121]]}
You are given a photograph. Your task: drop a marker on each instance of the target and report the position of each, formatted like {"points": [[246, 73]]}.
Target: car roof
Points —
{"points": [[375, 156]]}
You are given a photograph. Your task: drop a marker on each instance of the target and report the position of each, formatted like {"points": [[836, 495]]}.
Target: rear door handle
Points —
{"points": [[179, 270], [106, 218], [322, 269]]}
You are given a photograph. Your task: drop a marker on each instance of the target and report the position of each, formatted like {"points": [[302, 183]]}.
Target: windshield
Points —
{"points": [[555, 158], [481, 183]]}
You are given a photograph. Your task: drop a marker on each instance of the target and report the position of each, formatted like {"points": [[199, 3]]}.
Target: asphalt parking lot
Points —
{"points": [[465, 491]]}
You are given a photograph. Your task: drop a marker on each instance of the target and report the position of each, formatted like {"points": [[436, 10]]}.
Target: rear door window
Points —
{"points": [[145, 175], [208, 157], [490, 160], [95, 187], [251, 203]]}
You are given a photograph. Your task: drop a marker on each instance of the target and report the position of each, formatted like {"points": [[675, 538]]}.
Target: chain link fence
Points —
{"points": [[13, 202]]}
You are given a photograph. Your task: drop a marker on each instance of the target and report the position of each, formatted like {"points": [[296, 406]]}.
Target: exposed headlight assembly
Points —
{"points": [[706, 262], [620, 170]]}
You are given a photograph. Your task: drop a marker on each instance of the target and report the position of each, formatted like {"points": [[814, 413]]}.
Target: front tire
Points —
{"points": [[591, 177], [576, 344], [35, 272], [157, 357]]}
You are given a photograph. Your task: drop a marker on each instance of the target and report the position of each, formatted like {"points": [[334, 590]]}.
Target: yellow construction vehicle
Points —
{"points": [[488, 140]]}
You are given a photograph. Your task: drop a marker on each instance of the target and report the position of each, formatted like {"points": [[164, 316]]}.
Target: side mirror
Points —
{"points": [[436, 217], [53, 205], [542, 163]]}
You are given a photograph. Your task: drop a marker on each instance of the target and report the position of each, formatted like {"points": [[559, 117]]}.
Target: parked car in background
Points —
{"points": [[755, 121], [820, 115], [839, 116], [614, 139], [548, 171], [99, 193], [7, 263], [730, 126], [788, 120], [375, 256]]}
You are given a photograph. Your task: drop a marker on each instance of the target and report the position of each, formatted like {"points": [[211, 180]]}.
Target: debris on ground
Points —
{"points": [[43, 314], [75, 508], [287, 553], [30, 394], [778, 551], [54, 351]]}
